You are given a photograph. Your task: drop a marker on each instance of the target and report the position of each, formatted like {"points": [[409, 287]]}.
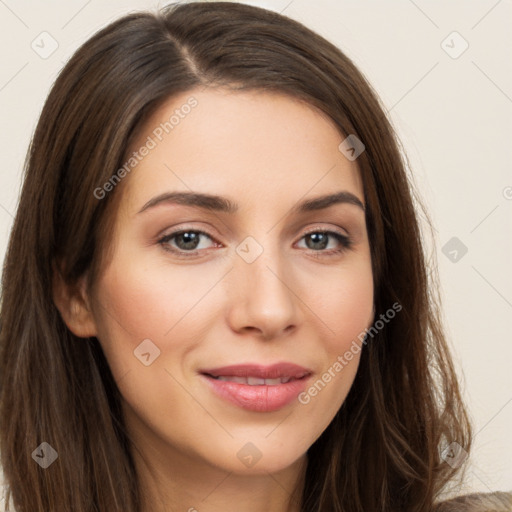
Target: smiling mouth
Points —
{"points": [[271, 390]]}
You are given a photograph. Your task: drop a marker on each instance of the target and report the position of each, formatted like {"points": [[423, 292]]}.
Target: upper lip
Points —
{"points": [[274, 371]]}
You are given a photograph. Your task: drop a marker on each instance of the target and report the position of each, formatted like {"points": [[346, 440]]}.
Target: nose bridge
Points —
{"points": [[264, 297]]}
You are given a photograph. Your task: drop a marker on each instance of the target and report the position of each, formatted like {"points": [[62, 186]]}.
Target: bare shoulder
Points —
{"points": [[478, 502]]}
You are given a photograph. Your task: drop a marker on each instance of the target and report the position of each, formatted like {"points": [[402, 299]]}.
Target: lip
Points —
{"points": [[272, 371], [263, 397]]}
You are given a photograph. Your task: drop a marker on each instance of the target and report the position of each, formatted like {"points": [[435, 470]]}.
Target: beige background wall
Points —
{"points": [[451, 105]]}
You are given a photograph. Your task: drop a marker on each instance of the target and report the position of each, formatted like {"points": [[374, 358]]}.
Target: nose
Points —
{"points": [[262, 299]]}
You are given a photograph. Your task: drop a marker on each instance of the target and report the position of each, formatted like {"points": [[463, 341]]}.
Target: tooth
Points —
{"points": [[255, 381], [239, 380]]}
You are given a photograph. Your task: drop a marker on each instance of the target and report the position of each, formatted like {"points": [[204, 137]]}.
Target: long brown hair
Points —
{"points": [[382, 449]]}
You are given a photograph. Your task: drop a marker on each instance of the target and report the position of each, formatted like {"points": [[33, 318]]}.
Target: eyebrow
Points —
{"points": [[223, 204]]}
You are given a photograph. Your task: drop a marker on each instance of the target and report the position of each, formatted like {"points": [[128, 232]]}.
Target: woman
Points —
{"points": [[215, 295]]}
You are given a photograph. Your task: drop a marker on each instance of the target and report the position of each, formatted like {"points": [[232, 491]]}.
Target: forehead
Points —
{"points": [[254, 146]]}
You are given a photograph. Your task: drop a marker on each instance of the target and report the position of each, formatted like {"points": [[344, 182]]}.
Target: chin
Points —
{"points": [[259, 455]]}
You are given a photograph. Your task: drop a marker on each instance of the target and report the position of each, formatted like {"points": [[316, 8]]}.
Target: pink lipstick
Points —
{"points": [[256, 387]]}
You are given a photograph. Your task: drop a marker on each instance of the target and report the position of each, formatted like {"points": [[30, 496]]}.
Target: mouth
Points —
{"points": [[255, 374], [258, 388], [257, 381]]}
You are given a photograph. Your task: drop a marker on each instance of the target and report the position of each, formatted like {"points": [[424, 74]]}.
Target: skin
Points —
{"points": [[211, 308]]}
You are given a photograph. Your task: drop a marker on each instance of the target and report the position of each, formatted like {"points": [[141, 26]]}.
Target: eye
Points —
{"points": [[319, 240], [185, 240]]}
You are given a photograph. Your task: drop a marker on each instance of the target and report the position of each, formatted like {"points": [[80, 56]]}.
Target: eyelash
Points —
{"points": [[345, 242]]}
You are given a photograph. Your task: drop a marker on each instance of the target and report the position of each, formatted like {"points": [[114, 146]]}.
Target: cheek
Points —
{"points": [[158, 302], [146, 300], [343, 303], [343, 306], [145, 333]]}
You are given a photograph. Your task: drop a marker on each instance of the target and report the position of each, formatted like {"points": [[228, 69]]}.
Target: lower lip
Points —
{"points": [[261, 398]]}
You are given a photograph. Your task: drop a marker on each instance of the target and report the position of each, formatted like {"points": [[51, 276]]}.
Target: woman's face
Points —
{"points": [[194, 286]]}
